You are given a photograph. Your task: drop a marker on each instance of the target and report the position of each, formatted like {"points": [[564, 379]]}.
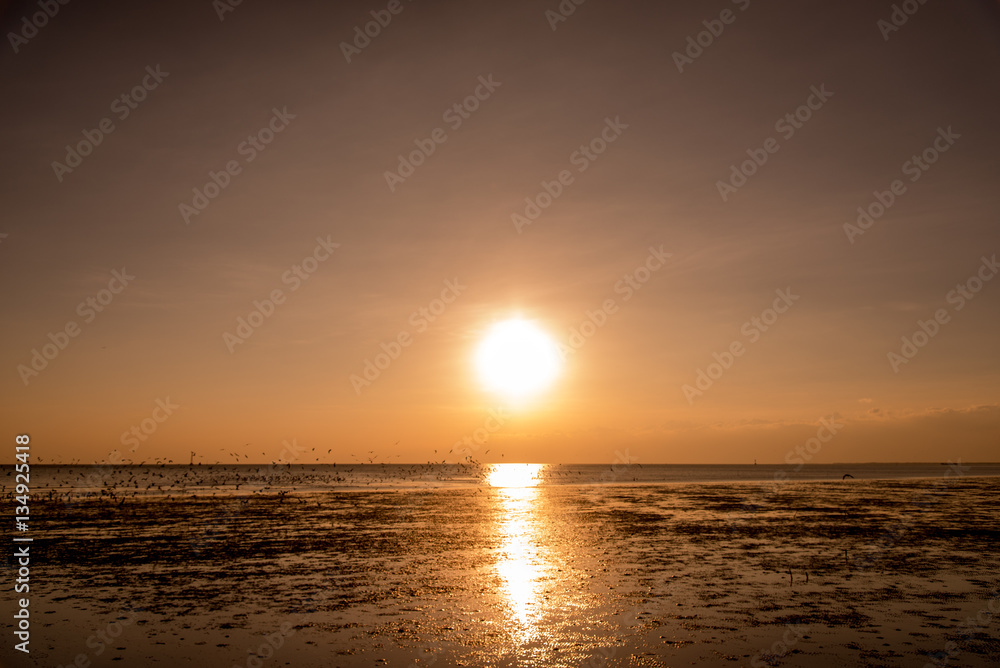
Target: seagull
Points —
{"points": [[846, 476]]}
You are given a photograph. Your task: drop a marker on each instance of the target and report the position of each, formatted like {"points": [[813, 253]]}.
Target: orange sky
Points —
{"points": [[660, 141]]}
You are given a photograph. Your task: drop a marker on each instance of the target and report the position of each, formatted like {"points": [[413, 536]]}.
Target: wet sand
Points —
{"points": [[865, 573]]}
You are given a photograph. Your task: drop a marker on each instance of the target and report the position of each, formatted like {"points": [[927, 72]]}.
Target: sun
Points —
{"points": [[517, 359]]}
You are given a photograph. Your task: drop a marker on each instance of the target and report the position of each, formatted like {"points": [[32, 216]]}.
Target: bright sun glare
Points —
{"points": [[517, 359], [514, 475]]}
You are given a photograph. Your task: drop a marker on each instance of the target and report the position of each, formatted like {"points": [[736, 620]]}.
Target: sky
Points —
{"points": [[669, 172]]}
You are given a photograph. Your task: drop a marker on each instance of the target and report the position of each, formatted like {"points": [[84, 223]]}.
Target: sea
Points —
{"points": [[173, 479]]}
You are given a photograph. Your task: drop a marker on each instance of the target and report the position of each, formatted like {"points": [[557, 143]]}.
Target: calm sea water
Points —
{"points": [[245, 479]]}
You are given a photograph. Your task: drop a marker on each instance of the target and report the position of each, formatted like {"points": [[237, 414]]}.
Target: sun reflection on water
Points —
{"points": [[521, 563], [514, 476]]}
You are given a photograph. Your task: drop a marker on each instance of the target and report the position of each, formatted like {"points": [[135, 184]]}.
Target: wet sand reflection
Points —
{"points": [[522, 562]]}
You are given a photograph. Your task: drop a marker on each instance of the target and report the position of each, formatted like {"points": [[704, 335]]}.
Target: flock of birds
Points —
{"points": [[163, 477]]}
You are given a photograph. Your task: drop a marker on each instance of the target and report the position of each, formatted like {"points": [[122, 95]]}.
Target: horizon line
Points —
{"points": [[443, 463]]}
